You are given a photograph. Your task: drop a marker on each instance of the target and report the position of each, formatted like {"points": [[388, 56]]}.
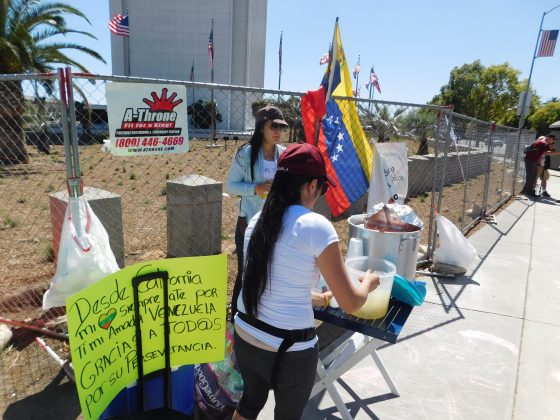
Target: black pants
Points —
{"points": [[530, 176], [239, 237], [293, 385]]}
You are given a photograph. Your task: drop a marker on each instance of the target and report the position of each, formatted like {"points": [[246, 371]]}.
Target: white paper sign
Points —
{"points": [[389, 176], [147, 119]]}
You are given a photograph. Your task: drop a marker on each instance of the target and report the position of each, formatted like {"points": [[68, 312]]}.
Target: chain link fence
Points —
{"points": [[460, 166]]}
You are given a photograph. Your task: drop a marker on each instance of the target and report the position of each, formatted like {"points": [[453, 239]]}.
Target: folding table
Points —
{"points": [[362, 339]]}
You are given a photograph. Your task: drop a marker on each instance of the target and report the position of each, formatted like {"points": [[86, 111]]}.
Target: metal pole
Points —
{"points": [[126, 47], [332, 59], [371, 93], [522, 116], [76, 181], [503, 171], [431, 220], [445, 156], [358, 78], [280, 62], [466, 183], [65, 129], [490, 150], [443, 169], [212, 107]]}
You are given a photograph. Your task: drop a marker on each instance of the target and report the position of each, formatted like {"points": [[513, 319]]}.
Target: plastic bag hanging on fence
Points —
{"points": [[454, 248], [84, 253]]}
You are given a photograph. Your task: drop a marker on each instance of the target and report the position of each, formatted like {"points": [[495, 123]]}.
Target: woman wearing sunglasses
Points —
{"points": [[287, 245], [251, 174]]}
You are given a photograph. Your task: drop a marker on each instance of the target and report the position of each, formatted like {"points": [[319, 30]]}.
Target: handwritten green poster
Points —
{"points": [[101, 325]]}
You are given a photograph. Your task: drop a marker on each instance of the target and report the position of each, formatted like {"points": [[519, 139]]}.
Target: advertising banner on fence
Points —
{"points": [[101, 325], [147, 119]]}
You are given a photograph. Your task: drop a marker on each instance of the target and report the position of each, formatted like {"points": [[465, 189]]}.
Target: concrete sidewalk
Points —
{"points": [[484, 346]]}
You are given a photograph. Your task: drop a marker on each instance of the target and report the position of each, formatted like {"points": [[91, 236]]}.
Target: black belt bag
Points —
{"points": [[289, 337]]}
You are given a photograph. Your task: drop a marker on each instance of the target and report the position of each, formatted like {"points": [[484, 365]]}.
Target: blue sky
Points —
{"points": [[412, 44]]}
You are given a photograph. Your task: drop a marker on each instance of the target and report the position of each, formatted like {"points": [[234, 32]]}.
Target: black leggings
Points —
{"points": [[294, 383], [239, 237]]}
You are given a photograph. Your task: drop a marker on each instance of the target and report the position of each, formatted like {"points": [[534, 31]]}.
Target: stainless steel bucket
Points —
{"points": [[401, 248]]}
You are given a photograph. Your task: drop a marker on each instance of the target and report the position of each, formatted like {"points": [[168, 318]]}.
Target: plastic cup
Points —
{"points": [[377, 302], [355, 248]]}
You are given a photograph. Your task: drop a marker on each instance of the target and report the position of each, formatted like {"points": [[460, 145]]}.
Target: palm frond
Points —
{"points": [[47, 33]]}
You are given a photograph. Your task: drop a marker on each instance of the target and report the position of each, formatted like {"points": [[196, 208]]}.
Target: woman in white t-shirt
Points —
{"points": [[287, 247]]}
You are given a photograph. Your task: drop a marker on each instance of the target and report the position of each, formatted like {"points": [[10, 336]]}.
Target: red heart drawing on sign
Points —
{"points": [[106, 319]]}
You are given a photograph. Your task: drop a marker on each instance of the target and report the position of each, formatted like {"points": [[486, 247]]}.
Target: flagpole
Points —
{"points": [[332, 59], [358, 77], [522, 116], [212, 107], [126, 48], [191, 76], [371, 92], [280, 62], [524, 102]]}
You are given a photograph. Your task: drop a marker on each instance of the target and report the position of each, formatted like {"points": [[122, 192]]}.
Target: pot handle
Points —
{"points": [[414, 244]]}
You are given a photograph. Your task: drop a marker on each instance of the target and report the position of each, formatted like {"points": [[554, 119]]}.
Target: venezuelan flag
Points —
{"points": [[334, 126]]}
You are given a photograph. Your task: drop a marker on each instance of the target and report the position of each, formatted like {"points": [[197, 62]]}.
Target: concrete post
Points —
{"points": [[106, 205], [194, 216]]}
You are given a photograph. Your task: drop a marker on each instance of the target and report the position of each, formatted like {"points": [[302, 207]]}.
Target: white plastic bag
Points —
{"points": [[454, 248], [84, 254]]}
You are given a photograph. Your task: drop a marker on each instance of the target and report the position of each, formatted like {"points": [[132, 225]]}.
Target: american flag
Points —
{"points": [[191, 76], [548, 43], [356, 71], [324, 59], [374, 80], [119, 25], [211, 47]]}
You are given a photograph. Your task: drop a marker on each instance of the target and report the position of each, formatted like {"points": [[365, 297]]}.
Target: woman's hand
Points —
{"points": [[320, 299], [263, 189], [370, 280]]}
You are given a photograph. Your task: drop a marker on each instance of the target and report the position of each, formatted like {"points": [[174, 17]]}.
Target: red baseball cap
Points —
{"points": [[304, 159]]}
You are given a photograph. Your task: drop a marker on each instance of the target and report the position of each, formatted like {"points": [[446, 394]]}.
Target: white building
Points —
{"points": [[166, 35]]}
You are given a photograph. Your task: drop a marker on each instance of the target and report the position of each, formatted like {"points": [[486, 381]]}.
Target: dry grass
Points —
{"points": [[26, 245]]}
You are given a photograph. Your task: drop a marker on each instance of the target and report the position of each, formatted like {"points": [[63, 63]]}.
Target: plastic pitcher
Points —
{"points": [[377, 302]]}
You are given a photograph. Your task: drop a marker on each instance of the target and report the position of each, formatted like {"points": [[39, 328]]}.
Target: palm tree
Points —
{"points": [[421, 125], [291, 109], [382, 121], [27, 28]]}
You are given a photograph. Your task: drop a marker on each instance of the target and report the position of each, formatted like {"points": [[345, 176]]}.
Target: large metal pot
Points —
{"points": [[401, 248]]}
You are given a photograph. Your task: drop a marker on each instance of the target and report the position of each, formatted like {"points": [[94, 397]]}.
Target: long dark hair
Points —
{"points": [[255, 143], [284, 192]]}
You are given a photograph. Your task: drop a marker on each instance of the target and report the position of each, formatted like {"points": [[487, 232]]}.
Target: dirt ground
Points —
{"points": [[31, 387]]}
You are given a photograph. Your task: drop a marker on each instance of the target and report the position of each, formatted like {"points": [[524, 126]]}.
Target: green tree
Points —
{"points": [[421, 125], [30, 43], [291, 109], [383, 121], [487, 93], [547, 114], [201, 114], [261, 103]]}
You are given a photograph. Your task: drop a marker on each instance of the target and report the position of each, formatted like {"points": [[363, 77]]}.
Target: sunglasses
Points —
{"points": [[276, 126]]}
